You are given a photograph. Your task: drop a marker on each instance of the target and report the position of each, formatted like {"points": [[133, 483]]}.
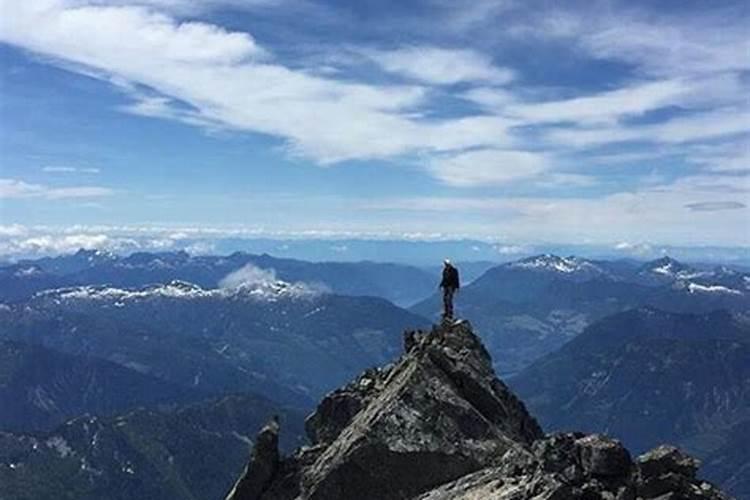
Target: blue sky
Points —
{"points": [[610, 123]]}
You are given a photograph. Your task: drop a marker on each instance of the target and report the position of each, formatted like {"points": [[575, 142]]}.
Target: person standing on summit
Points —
{"points": [[449, 284]]}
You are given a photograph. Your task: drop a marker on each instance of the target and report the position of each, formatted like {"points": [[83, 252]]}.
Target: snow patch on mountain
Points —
{"points": [[174, 289], [564, 265], [696, 288], [261, 291], [97, 255], [667, 269]]}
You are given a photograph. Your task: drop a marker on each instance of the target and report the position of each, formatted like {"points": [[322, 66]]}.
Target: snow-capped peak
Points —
{"points": [[668, 270], [549, 262], [272, 290], [666, 266], [177, 289], [95, 255]]}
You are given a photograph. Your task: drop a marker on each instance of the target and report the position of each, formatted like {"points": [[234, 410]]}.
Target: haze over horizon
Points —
{"points": [[167, 124]]}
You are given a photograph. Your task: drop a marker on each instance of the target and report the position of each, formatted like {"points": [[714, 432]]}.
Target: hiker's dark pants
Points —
{"points": [[448, 301]]}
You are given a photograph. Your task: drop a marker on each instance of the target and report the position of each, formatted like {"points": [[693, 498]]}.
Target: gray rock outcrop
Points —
{"points": [[439, 425]]}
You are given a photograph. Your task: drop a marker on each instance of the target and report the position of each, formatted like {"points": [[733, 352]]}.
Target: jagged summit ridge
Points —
{"points": [[178, 289], [437, 425]]}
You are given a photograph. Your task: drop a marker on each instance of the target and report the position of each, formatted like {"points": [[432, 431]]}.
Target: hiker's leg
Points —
{"points": [[449, 303]]}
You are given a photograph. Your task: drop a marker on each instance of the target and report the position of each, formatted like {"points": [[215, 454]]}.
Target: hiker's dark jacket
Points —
{"points": [[450, 278]]}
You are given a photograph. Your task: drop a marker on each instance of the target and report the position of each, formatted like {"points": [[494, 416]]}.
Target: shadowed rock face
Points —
{"points": [[439, 425], [264, 463]]}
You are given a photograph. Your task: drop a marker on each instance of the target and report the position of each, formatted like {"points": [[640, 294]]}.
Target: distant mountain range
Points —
{"points": [[401, 284], [646, 377], [287, 341], [528, 308], [648, 352], [192, 453], [421, 252], [41, 388]]}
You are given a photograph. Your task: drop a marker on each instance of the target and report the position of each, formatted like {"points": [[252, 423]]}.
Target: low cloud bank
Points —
{"points": [[251, 276]]}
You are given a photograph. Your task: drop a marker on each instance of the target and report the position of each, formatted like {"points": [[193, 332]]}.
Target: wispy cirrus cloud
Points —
{"points": [[666, 212], [658, 44], [680, 83], [227, 79], [185, 6], [708, 125], [441, 66], [15, 188], [65, 169], [487, 167]]}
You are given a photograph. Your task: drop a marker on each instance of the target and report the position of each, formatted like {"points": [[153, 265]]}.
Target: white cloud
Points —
{"points": [[597, 119], [681, 129], [64, 169], [249, 275], [694, 63], [512, 249], [205, 75], [14, 188], [637, 249], [183, 6], [78, 192], [208, 76], [442, 66], [553, 180], [656, 213], [487, 167], [462, 15], [705, 42], [699, 45], [718, 123], [201, 248], [606, 106], [12, 230], [730, 157], [50, 244], [492, 98]]}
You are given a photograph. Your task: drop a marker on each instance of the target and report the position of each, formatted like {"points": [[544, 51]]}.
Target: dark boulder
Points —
{"points": [[664, 459], [604, 457]]}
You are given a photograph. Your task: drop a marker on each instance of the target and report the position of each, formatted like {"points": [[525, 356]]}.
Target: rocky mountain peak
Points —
{"points": [[438, 424], [571, 267], [92, 255], [665, 266]]}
